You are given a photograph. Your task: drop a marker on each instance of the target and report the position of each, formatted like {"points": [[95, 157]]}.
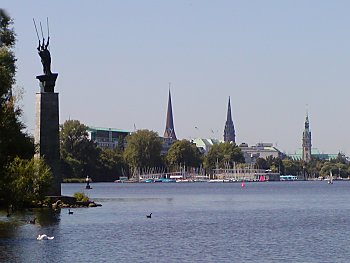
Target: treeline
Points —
{"points": [[24, 181], [316, 168], [82, 157], [141, 152]]}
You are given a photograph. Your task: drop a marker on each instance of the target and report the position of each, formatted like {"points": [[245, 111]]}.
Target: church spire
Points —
{"points": [[307, 140], [169, 129], [229, 131]]}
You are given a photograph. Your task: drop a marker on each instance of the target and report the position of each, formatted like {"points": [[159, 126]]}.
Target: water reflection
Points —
{"points": [[190, 223], [7, 228], [18, 236], [48, 217]]}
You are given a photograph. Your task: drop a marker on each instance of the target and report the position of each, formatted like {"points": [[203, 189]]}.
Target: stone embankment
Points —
{"points": [[70, 202]]}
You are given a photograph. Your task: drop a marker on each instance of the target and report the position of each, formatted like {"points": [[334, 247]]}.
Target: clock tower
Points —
{"points": [[307, 141]]}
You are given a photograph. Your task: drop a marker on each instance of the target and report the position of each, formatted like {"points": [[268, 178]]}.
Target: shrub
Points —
{"points": [[81, 197]]}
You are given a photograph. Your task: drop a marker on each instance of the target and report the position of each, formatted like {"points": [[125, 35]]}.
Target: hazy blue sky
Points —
{"points": [[116, 58]]}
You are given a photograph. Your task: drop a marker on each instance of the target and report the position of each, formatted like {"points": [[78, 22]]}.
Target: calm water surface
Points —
{"points": [[191, 222]]}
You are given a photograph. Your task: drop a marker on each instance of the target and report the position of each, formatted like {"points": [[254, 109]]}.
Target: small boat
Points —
{"points": [[182, 180], [216, 181]]}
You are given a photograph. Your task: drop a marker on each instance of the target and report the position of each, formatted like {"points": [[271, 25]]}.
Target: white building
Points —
{"points": [[260, 150], [250, 153]]}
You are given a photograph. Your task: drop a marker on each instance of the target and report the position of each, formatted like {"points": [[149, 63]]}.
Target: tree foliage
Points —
{"points": [[79, 154], [111, 164], [183, 152], [224, 155], [143, 149], [27, 182], [14, 142]]}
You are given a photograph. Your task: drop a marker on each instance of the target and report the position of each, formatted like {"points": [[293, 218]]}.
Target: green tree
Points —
{"points": [[291, 167], [28, 182], [13, 140], [224, 154], [262, 164], [275, 164], [143, 149], [183, 152], [111, 165], [79, 154]]}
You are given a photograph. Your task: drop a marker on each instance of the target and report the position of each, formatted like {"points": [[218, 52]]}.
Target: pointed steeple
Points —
{"points": [[229, 116], [307, 140], [169, 128], [229, 131]]}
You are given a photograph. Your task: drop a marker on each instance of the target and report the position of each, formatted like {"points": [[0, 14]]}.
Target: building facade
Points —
{"points": [[109, 138], [260, 150]]}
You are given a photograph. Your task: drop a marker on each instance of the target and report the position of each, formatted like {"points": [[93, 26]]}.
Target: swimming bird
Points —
{"points": [[44, 237], [32, 221], [149, 216], [70, 212]]}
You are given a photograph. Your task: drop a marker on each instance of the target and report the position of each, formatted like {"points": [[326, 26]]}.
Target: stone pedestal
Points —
{"points": [[47, 82], [47, 130]]}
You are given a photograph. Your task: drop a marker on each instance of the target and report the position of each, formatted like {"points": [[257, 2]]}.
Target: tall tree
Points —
{"points": [[111, 164], [143, 149], [291, 167], [224, 155], [183, 152], [78, 153], [13, 140]]}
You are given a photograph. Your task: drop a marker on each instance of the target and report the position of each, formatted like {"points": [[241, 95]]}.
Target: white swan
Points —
{"points": [[44, 237]]}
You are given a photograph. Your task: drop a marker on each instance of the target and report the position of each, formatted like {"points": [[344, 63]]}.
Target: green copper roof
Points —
{"points": [[315, 153], [91, 128]]}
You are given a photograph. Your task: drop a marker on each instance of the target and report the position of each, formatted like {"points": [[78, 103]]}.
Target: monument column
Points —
{"points": [[47, 129], [47, 118]]}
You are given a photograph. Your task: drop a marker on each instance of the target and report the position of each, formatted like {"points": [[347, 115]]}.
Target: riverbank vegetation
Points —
{"points": [[23, 179]]}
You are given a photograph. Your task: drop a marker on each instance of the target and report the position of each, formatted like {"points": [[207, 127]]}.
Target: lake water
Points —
{"points": [[191, 222]]}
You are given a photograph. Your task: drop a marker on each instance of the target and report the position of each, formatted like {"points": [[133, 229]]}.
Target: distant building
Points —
{"points": [[169, 127], [229, 131], [306, 153], [107, 137], [250, 153], [169, 134], [204, 145], [315, 153], [260, 150], [306, 141]]}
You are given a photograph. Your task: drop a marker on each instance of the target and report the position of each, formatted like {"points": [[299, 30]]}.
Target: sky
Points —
{"points": [[277, 60]]}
